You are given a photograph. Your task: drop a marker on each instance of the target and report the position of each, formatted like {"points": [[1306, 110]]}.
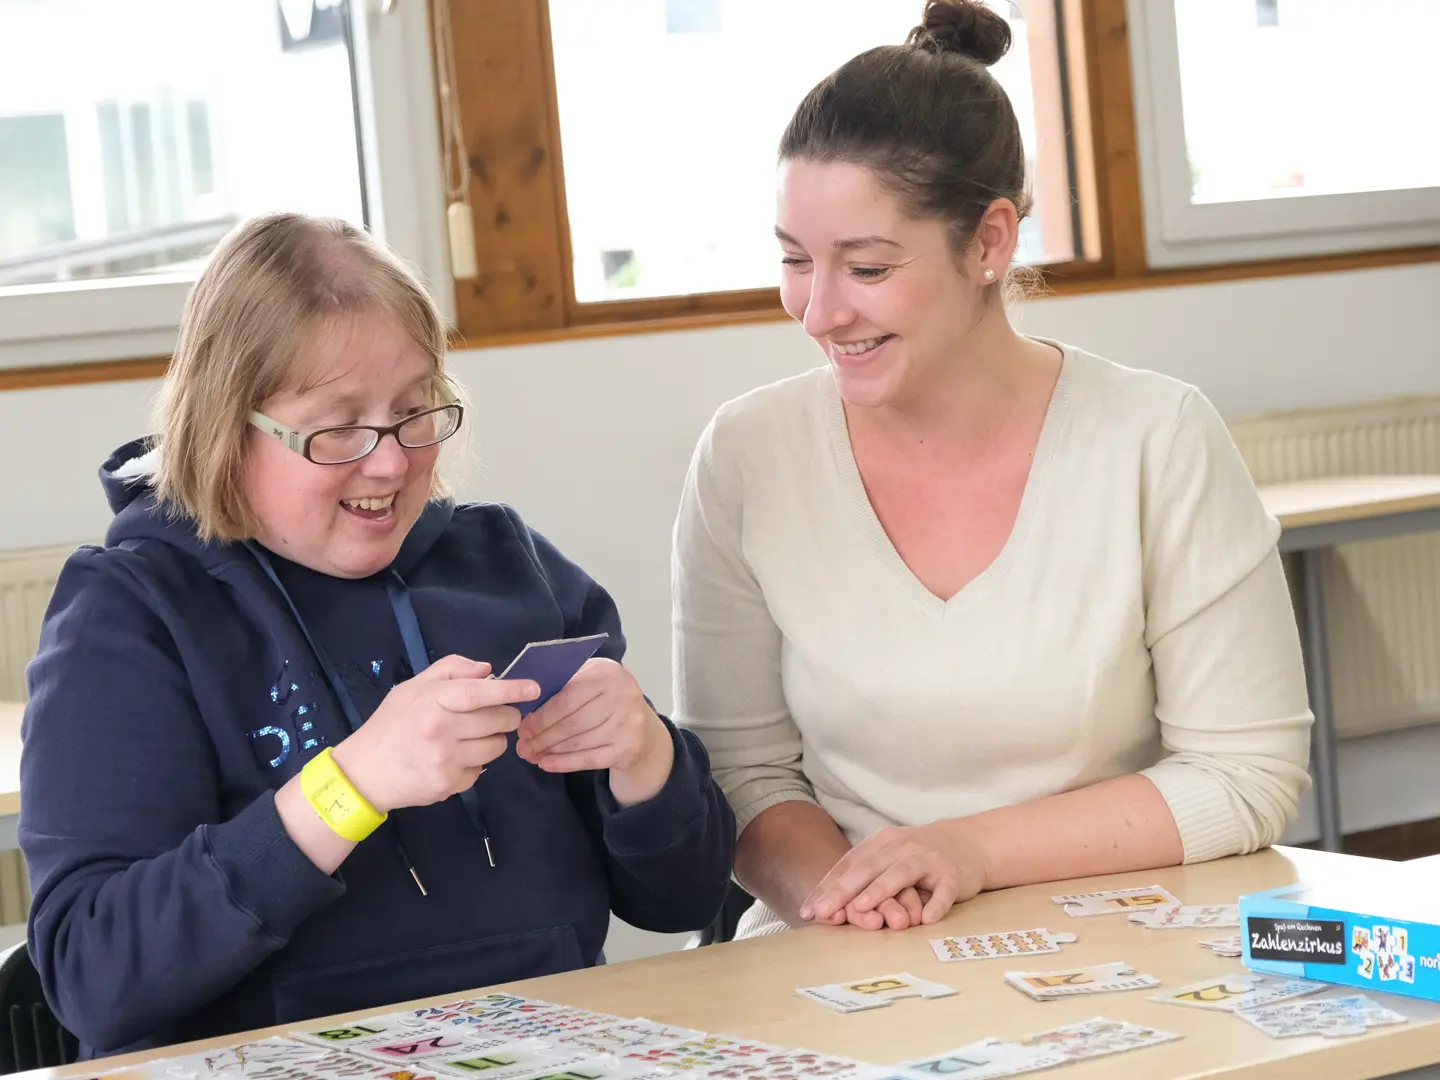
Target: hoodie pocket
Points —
{"points": [[454, 969]]}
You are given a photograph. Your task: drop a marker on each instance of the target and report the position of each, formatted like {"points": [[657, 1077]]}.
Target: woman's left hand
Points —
{"points": [[936, 862], [601, 720]]}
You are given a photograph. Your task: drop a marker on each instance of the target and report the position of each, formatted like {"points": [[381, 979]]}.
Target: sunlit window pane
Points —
{"points": [[670, 114], [135, 133], [1287, 98]]}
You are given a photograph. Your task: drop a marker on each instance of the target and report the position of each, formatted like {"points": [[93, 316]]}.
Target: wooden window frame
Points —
{"points": [[524, 291]]}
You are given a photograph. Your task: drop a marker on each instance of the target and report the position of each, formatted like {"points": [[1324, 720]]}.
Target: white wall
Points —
{"points": [[590, 439]]}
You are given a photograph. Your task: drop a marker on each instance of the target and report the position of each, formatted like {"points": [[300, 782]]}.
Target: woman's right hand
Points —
{"points": [[433, 734]]}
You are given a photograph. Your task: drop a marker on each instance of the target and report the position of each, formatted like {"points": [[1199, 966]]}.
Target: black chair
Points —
{"points": [[30, 1036], [737, 902]]}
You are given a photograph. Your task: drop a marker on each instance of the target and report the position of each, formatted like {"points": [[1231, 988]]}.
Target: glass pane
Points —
{"points": [[1281, 101], [35, 206], [671, 111], [135, 133]]}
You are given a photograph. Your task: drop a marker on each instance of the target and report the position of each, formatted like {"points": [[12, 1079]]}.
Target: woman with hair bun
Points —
{"points": [[963, 609]]}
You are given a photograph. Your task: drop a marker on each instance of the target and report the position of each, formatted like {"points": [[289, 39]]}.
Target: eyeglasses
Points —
{"points": [[342, 445]]}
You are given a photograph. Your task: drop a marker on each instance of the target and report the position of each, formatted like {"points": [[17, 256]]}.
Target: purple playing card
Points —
{"points": [[552, 664]]}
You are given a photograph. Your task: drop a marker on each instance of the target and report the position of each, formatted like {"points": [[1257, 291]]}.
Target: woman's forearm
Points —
{"points": [[1106, 828], [785, 852]]}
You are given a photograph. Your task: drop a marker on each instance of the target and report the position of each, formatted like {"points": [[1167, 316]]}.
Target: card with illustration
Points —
{"points": [[1115, 901], [510, 1064], [628, 1035], [1399, 940], [1003, 943], [374, 1031], [1332, 1017], [1359, 940], [455, 1042], [1094, 979], [252, 1059], [711, 1052], [1380, 935], [1183, 916], [874, 992], [1407, 969], [1366, 967], [1098, 1037], [1227, 946], [1231, 992], [790, 1065], [987, 1059]]}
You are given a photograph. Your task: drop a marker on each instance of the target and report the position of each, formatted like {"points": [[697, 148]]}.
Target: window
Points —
{"points": [[35, 205], [1272, 133], [142, 131], [621, 154], [669, 155]]}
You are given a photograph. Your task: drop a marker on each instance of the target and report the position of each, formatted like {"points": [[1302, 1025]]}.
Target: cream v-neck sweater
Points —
{"points": [[1137, 620]]}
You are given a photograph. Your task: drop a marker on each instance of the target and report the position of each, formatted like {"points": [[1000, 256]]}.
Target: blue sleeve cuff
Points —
{"points": [[670, 818], [266, 875]]}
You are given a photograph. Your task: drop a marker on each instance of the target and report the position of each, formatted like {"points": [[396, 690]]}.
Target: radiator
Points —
{"points": [[26, 580], [1383, 596]]}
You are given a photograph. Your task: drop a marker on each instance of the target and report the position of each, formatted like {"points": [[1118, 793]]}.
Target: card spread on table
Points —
{"points": [[986, 1059], [874, 992], [705, 1054], [791, 1065], [1094, 979], [1229, 993], [1004, 943], [1225, 946], [1114, 901], [1180, 916], [1098, 1037], [1331, 1017], [552, 664], [628, 1035]]}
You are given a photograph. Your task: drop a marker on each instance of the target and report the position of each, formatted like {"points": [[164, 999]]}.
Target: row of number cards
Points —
{"points": [[1266, 1002]]}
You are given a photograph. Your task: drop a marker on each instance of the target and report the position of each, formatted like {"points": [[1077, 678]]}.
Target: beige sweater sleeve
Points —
{"points": [[1229, 678], [727, 648]]}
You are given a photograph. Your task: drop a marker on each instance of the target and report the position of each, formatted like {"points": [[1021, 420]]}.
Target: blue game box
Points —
{"points": [[1381, 933]]}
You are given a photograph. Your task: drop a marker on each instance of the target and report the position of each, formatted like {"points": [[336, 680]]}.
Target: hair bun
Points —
{"points": [[966, 27]]}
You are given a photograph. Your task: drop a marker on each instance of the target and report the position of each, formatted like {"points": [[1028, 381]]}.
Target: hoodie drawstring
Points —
{"points": [[409, 624], [405, 618]]}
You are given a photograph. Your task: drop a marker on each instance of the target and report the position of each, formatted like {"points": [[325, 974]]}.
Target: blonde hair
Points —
{"points": [[271, 285]]}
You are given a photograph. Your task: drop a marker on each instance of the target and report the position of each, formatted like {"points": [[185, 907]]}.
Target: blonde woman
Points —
{"points": [[962, 609], [260, 712]]}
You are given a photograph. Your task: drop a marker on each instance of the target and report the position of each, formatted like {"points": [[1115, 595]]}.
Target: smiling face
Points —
{"points": [[345, 520], [883, 294]]}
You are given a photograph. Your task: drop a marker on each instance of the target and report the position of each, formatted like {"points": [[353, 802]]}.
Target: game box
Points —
{"points": [[1379, 933]]}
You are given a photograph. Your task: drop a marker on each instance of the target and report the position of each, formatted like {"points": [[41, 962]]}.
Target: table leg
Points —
{"points": [[1323, 765]]}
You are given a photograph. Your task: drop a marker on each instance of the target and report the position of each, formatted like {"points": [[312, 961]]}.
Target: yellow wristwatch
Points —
{"points": [[336, 800]]}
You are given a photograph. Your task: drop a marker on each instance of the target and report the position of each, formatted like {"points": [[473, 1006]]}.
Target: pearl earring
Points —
{"points": [[989, 274]]}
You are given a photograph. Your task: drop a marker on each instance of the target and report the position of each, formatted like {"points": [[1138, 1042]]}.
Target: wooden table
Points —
{"points": [[10, 715], [1316, 516], [747, 988]]}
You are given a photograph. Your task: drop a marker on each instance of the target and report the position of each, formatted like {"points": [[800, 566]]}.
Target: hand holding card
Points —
{"points": [[597, 719]]}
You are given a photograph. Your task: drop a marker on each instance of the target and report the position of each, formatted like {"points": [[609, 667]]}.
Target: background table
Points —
{"points": [[1316, 516], [747, 988]]}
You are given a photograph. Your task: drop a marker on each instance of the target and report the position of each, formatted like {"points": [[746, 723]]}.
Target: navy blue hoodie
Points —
{"points": [[174, 691]]}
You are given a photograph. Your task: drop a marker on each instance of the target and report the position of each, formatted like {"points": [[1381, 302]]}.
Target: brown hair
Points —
{"points": [[926, 117], [269, 288]]}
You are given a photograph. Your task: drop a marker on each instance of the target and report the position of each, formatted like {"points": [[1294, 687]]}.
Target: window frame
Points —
{"points": [[524, 291], [130, 318], [1180, 233]]}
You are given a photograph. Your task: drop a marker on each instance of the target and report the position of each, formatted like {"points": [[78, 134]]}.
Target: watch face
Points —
{"points": [[333, 799]]}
